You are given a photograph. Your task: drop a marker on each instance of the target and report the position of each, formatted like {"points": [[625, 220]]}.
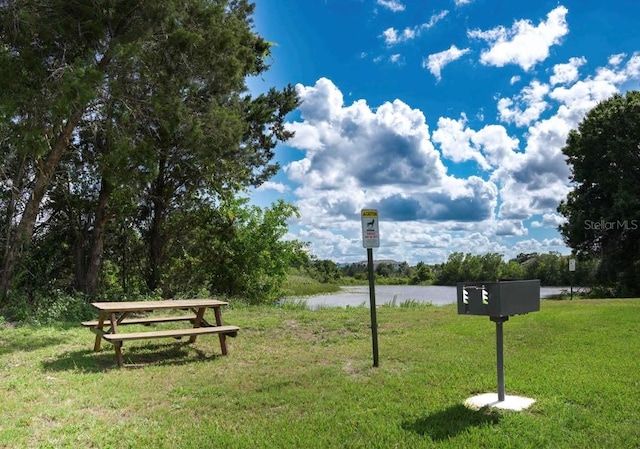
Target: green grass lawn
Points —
{"points": [[300, 285], [304, 379]]}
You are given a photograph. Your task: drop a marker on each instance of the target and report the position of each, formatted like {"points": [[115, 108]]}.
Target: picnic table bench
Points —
{"points": [[115, 314]]}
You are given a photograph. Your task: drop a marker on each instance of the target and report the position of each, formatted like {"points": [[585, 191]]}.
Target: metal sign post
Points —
{"points": [[370, 240], [372, 306], [572, 268]]}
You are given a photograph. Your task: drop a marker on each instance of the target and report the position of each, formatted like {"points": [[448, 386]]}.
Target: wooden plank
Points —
{"points": [[114, 322], [137, 306], [98, 340], [197, 322], [231, 330], [222, 337], [144, 320]]}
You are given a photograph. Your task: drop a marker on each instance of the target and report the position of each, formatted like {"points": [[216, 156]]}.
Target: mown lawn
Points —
{"points": [[304, 379]]}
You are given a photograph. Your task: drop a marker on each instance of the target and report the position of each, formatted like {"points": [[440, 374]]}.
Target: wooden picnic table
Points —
{"points": [[115, 314]]}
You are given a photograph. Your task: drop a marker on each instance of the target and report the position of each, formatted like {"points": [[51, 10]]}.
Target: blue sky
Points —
{"points": [[448, 116]]}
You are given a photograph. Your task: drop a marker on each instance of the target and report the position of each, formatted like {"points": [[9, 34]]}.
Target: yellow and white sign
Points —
{"points": [[370, 230]]}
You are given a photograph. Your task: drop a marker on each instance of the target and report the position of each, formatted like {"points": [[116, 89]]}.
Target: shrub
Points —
{"points": [[47, 308]]}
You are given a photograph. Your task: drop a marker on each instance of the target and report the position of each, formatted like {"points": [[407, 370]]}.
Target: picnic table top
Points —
{"points": [[135, 306]]}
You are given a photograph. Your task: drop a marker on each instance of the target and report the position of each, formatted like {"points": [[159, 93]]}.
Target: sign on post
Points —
{"points": [[370, 230], [370, 240], [572, 268]]}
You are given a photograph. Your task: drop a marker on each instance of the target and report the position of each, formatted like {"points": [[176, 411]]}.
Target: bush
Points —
{"points": [[52, 308]]}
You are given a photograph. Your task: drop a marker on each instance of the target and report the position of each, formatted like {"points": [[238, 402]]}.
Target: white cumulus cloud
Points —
{"points": [[436, 61], [393, 5], [526, 107], [270, 185], [539, 177], [455, 143], [489, 147], [567, 73], [551, 220], [381, 157], [392, 36], [435, 19], [523, 44], [616, 59]]}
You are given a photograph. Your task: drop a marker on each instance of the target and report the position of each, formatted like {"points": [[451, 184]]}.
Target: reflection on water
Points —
{"points": [[435, 294]]}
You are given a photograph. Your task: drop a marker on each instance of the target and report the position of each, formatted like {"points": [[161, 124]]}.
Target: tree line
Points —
{"points": [[552, 269]]}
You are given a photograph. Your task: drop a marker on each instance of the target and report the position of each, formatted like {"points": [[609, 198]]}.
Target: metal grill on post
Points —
{"points": [[499, 301]]}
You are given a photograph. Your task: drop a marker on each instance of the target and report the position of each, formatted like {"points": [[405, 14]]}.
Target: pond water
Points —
{"points": [[435, 294]]}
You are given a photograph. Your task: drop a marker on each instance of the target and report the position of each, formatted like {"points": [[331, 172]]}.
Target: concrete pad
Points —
{"points": [[515, 403]]}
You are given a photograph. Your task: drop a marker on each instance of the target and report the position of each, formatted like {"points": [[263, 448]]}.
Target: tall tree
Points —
{"points": [[226, 148], [149, 93], [603, 209], [54, 58]]}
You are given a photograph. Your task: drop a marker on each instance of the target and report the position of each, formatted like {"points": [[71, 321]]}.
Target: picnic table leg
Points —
{"points": [[99, 332], [197, 321], [223, 337], [118, 347], [114, 322]]}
